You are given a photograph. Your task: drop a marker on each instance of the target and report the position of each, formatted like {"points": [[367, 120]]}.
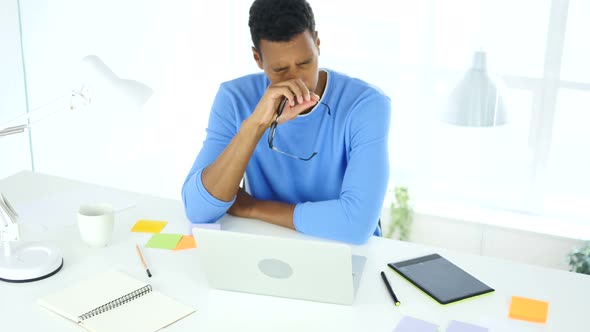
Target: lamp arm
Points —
{"points": [[13, 130], [9, 217], [77, 98], [32, 112], [9, 228]]}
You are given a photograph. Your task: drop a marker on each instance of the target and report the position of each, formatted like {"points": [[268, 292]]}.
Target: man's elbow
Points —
{"points": [[191, 212], [361, 234], [195, 213], [362, 221], [196, 209], [360, 229]]}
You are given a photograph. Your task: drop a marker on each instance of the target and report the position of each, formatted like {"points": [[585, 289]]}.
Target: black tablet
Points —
{"points": [[438, 277]]}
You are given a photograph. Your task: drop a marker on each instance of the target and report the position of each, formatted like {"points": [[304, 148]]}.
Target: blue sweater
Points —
{"points": [[339, 193]]}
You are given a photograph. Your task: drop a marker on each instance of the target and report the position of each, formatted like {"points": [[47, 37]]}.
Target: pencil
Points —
{"points": [[143, 261], [395, 300]]}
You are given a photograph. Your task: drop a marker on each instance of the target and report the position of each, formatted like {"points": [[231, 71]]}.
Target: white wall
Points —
{"points": [[477, 238], [14, 149]]}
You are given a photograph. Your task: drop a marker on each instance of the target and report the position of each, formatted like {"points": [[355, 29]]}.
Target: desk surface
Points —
{"points": [[48, 207]]}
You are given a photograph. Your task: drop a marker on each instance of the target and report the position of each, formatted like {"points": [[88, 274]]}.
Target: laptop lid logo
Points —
{"points": [[275, 268]]}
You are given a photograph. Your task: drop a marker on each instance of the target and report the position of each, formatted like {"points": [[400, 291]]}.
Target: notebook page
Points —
{"points": [[148, 313], [89, 294]]}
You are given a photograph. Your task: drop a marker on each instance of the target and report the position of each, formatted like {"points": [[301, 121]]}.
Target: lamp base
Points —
{"points": [[30, 261]]}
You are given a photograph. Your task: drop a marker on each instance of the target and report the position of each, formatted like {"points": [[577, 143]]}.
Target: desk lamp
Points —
{"points": [[24, 261], [476, 100], [28, 261]]}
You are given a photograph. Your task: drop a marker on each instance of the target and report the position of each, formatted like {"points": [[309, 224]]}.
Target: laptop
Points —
{"points": [[277, 266]]}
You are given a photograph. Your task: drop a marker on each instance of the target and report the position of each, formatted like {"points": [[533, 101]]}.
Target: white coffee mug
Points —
{"points": [[96, 223]]}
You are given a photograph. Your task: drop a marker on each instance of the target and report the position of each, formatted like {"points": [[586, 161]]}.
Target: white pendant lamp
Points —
{"points": [[476, 100]]}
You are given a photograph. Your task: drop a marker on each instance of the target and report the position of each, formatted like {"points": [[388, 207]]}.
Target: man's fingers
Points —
{"points": [[291, 112], [304, 91], [299, 91], [284, 92], [299, 99]]}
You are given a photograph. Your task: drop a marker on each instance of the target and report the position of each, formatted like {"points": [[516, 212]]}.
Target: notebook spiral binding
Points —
{"points": [[117, 302]]}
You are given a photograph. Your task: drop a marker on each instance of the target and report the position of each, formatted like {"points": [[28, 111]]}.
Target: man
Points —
{"points": [[310, 142]]}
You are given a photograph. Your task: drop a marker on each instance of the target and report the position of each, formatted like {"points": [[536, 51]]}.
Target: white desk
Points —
{"points": [[49, 204]]}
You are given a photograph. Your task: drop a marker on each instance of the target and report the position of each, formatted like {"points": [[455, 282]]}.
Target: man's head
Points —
{"points": [[286, 45], [279, 20]]}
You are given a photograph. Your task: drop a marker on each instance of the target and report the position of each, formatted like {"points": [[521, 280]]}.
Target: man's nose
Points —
{"points": [[292, 74]]}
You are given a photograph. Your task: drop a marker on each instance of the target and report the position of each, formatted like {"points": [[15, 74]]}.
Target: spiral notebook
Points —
{"points": [[114, 301]]}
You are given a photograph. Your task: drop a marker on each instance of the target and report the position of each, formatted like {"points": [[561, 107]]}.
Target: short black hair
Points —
{"points": [[279, 20]]}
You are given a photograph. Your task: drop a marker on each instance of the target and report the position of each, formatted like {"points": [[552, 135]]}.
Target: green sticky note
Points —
{"points": [[164, 241]]}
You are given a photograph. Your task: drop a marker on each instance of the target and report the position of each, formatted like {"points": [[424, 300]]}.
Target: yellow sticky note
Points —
{"points": [[528, 309], [148, 226], [187, 242]]}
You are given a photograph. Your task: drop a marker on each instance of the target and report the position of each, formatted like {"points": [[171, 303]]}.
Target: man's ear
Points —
{"points": [[317, 42], [257, 57]]}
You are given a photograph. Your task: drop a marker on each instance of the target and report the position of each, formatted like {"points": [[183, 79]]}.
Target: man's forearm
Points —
{"points": [[222, 178], [277, 213]]}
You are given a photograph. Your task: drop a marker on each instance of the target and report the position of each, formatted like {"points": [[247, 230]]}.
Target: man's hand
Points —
{"points": [[277, 213], [243, 205], [299, 96]]}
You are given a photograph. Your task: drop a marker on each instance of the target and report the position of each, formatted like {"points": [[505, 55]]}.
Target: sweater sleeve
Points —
{"points": [[353, 217], [200, 206]]}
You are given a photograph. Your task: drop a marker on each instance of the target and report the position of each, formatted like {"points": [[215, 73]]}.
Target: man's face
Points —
{"points": [[297, 58]]}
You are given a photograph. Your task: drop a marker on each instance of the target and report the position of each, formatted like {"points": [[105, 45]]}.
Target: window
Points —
{"points": [[537, 52], [567, 190]]}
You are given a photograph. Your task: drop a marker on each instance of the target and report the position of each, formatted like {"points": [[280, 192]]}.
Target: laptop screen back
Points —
{"points": [[261, 264]]}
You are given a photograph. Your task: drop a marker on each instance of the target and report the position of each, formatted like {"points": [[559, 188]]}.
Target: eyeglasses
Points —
{"points": [[273, 129]]}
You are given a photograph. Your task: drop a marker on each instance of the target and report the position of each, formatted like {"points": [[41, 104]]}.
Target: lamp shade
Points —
{"points": [[100, 82], [476, 100]]}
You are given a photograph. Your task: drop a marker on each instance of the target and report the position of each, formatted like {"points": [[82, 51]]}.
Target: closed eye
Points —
{"points": [[306, 62], [280, 70]]}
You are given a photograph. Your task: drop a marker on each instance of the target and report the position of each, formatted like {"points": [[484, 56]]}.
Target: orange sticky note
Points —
{"points": [[528, 309], [187, 242], [148, 226]]}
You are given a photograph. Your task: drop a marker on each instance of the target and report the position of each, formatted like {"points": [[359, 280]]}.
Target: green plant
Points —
{"points": [[579, 259], [401, 214]]}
